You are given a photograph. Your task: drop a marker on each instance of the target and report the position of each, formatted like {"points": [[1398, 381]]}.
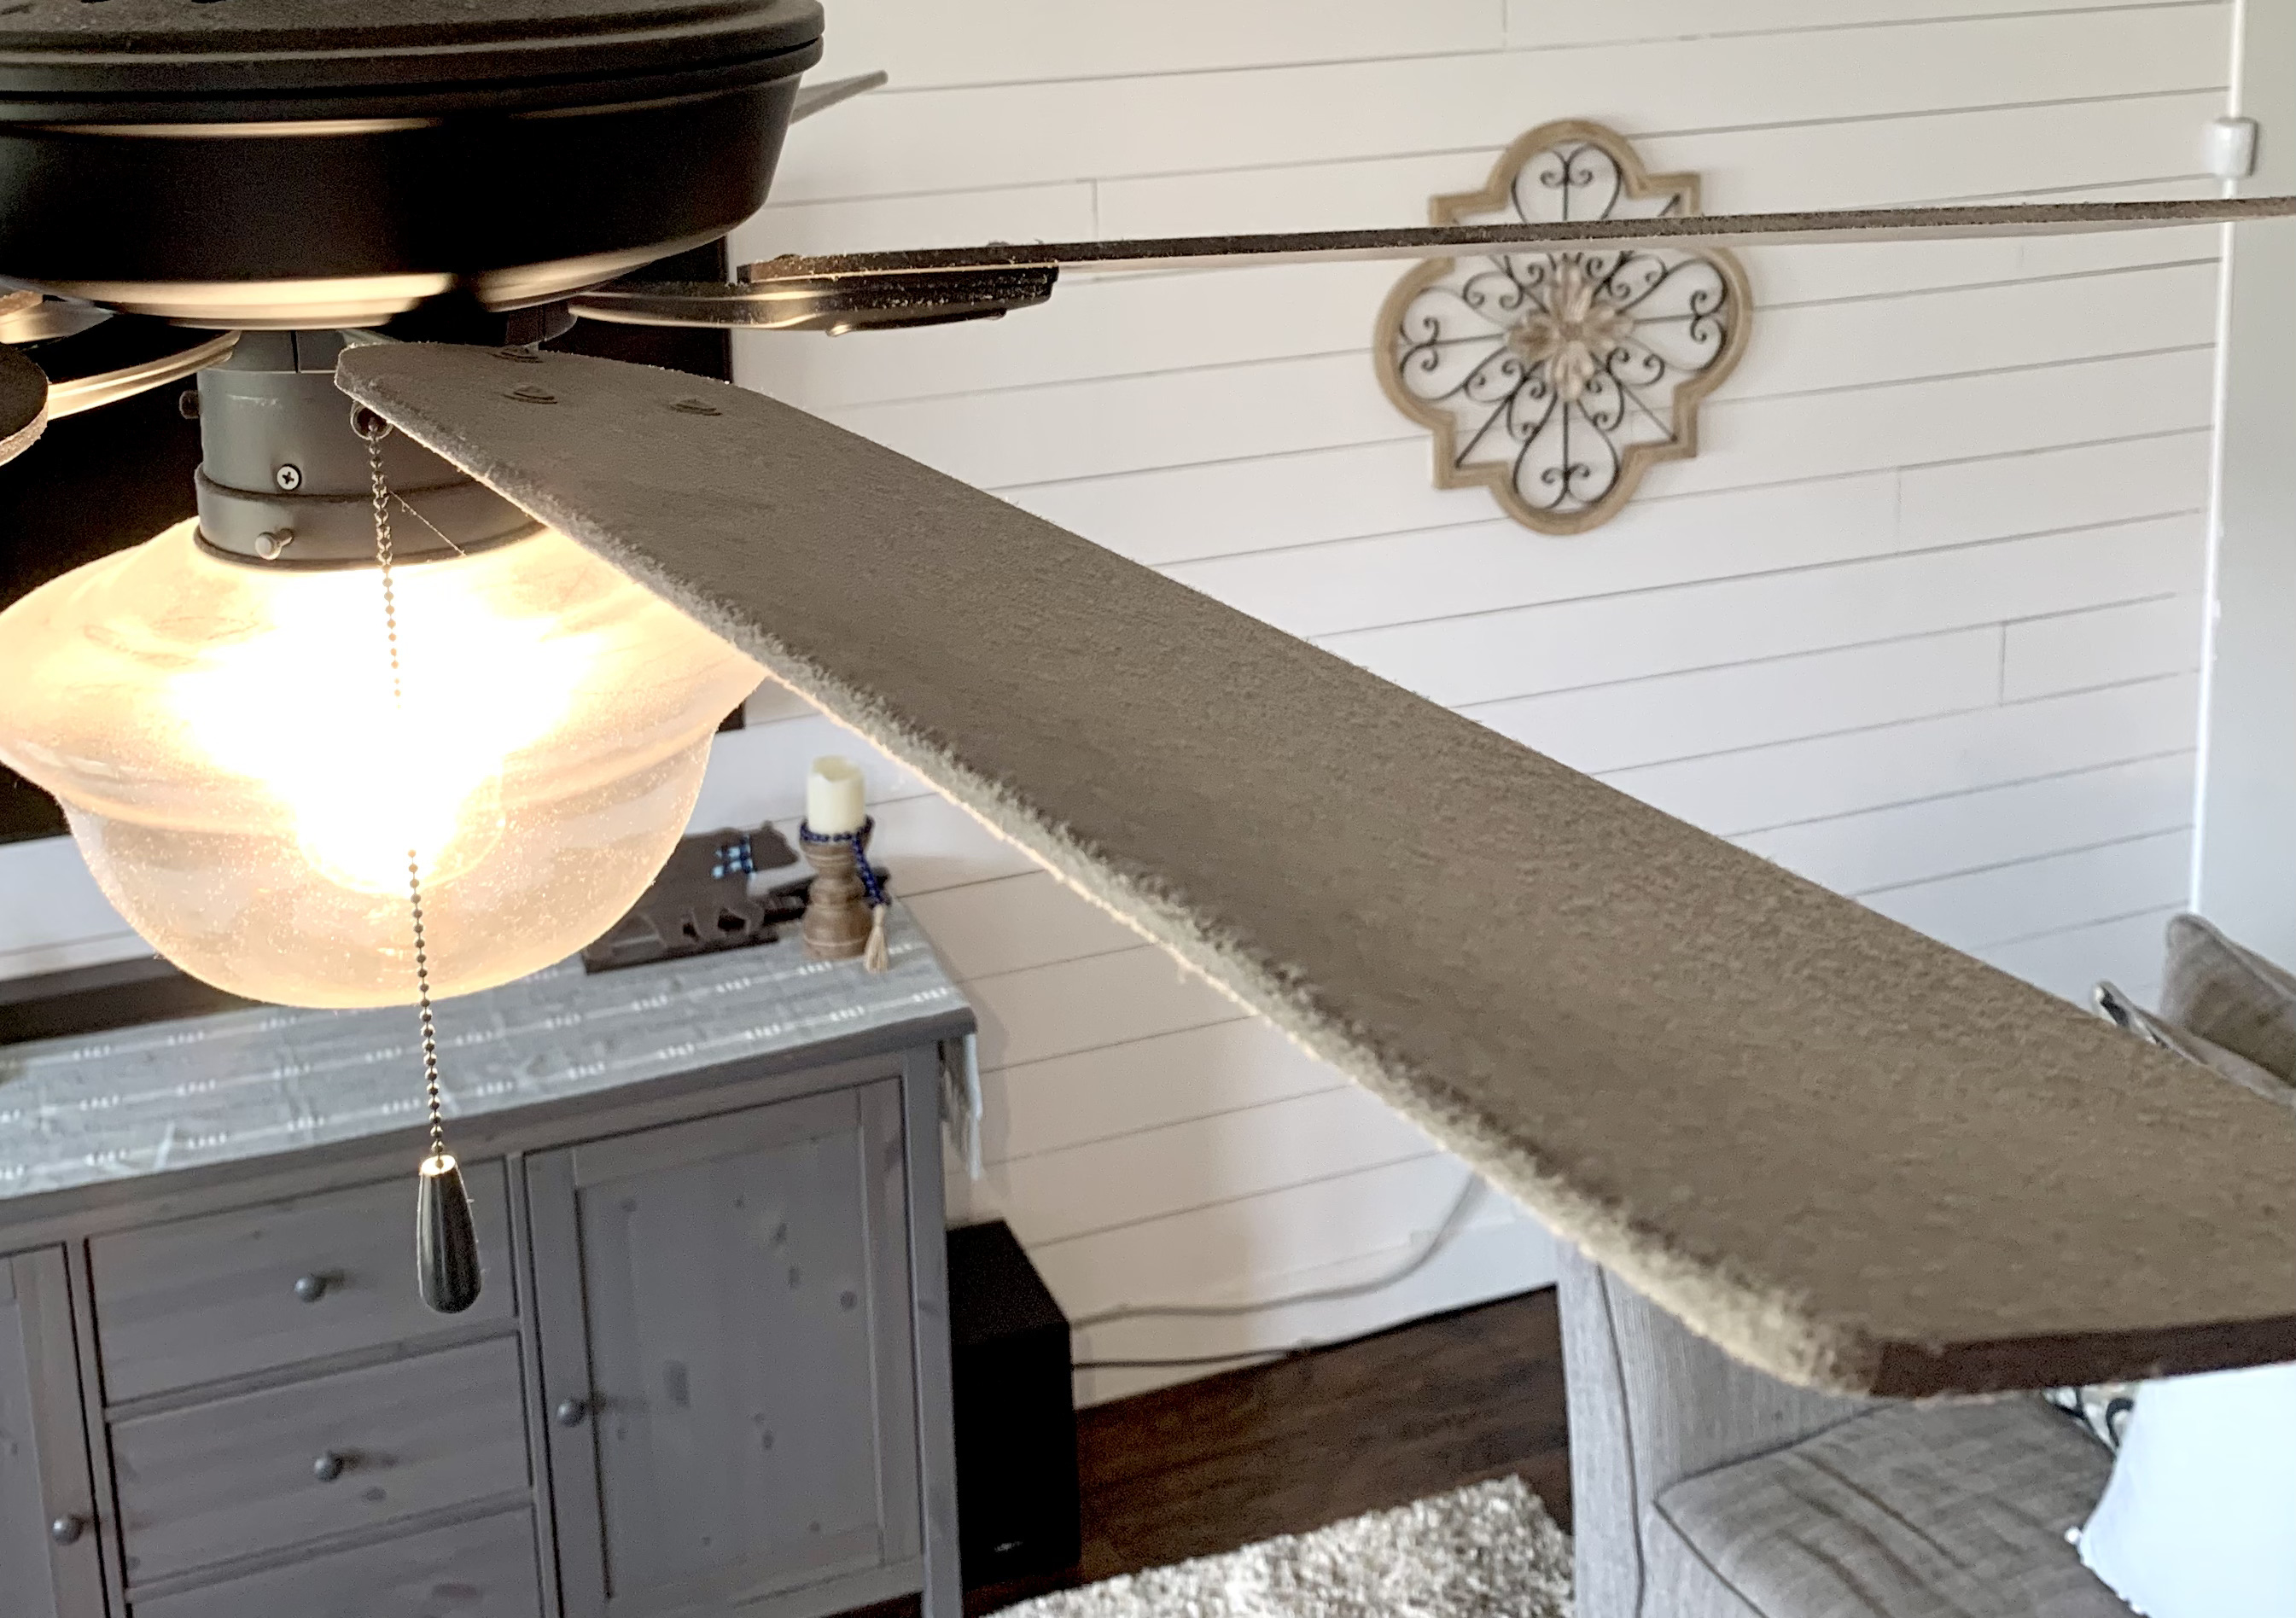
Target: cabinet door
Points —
{"points": [[726, 1359], [49, 1564]]}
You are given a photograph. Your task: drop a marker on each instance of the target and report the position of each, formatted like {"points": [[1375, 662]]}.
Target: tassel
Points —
{"points": [[446, 1241], [878, 956]]}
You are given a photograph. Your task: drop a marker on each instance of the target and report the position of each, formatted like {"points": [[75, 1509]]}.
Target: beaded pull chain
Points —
{"points": [[445, 1242]]}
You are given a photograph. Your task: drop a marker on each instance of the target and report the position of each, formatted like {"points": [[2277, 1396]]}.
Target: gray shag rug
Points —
{"points": [[1489, 1550]]}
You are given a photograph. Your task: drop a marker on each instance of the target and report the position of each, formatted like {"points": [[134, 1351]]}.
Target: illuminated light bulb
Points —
{"points": [[223, 739]]}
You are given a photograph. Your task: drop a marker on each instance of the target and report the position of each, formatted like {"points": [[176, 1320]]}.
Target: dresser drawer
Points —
{"points": [[242, 1474], [484, 1569], [255, 1288]]}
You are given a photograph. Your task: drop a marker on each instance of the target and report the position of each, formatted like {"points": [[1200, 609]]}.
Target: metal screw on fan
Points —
{"points": [[445, 1240]]}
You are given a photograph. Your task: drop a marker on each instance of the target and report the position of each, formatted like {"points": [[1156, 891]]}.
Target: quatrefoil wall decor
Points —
{"points": [[1557, 378]]}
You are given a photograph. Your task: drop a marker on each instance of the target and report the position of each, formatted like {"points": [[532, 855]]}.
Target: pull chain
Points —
{"points": [[445, 1243]]}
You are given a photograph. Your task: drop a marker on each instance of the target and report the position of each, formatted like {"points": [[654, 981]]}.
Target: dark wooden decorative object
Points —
{"points": [[837, 912]]}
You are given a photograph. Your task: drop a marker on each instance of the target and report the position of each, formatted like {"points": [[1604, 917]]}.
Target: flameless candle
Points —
{"points": [[833, 796]]}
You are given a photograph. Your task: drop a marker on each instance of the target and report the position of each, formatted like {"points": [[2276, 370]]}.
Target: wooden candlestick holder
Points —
{"points": [[837, 910]]}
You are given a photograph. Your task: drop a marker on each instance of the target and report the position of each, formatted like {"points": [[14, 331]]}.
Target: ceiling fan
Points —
{"points": [[1811, 1132]]}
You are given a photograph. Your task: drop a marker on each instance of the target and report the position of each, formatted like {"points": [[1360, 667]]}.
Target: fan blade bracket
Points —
{"points": [[821, 97], [766, 300]]}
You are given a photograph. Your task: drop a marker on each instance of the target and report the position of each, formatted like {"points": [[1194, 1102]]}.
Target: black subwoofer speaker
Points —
{"points": [[1016, 1455]]}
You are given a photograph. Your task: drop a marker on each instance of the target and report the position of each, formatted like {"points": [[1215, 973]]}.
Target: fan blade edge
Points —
{"points": [[25, 404], [1692, 231]]}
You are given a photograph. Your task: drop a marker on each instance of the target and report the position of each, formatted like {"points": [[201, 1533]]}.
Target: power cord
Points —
{"points": [[1453, 1221]]}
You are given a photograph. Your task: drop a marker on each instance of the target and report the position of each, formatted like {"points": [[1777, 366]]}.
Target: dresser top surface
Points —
{"points": [[233, 1086]]}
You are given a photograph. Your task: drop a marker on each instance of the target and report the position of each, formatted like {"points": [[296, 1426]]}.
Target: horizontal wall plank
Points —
{"points": [[1986, 909], [1118, 424], [1543, 23], [1333, 587], [1382, 492], [2126, 952], [1940, 156], [1109, 425], [62, 954], [1744, 442], [1948, 154], [1080, 1005], [53, 915], [1349, 584], [1121, 424], [1960, 831], [1520, 650], [1822, 273], [1118, 1089], [1156, 1172], [1322, 112], [2075, 649], [1256, 502], [1964, 501], [1747, 705], [1487, 1262], [1232, 1250], [1016, 922], [1941, 334], [1733, 793], [924, 44]]}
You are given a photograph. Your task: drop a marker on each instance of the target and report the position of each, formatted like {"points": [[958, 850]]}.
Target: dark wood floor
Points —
{"points": [[1215, 1464], [1208, 1466]]}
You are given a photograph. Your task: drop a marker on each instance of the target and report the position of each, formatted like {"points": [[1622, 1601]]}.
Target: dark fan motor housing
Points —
{"points": [[302, 163]]}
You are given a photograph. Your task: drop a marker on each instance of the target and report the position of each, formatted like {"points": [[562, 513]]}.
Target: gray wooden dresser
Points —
{"points": [[709, 1372]]}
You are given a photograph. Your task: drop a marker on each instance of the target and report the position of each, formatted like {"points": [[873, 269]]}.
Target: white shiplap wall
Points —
{"points": [[1922, 620]]}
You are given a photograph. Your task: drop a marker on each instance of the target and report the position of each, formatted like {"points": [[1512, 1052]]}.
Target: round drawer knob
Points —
{"points": [[328, 1468], [68, 1530], [570, 1412], [311, 1288]]}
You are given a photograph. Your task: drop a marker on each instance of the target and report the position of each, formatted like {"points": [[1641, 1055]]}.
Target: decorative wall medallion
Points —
{"points": [[1557, 378]]}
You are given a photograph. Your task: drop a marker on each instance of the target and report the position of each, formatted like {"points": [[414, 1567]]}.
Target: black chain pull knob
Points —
{"points": [[446, 1241]]}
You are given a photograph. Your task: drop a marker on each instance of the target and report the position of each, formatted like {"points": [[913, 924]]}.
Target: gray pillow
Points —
{"points": [[2112, 1003], [2223, 975], [2232, 997]]}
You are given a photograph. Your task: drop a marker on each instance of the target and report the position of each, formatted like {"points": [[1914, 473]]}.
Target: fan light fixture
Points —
{"points": [[251, 749], [246, 791]]}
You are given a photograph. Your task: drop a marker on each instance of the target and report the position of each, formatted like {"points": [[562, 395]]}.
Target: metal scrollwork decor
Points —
{"points": [[1557, 378]]}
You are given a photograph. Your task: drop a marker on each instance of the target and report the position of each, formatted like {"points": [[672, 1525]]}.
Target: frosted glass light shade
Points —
{"points": [[224, 744]]}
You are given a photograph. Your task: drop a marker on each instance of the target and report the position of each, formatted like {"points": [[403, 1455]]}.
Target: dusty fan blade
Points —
{"points": [[928, 286], [23, 403], [124, 357], [1848, 1154], [43, 319]]}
